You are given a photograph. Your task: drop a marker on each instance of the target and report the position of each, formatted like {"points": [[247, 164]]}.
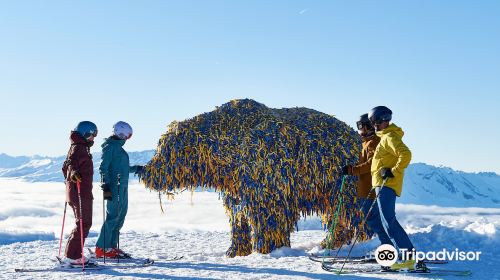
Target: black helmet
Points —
{"points": [[380, 114], [364, 121], [86, 129]]}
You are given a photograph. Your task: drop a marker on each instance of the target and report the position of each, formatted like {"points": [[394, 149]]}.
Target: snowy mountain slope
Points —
{"points": [[48, 169], [424, 184], [7, 161], [197, 227], [429, 185]]}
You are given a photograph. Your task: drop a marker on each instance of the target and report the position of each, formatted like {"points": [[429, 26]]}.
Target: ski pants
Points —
{"points": [[116, 210], [74, 247], [383, 222]]}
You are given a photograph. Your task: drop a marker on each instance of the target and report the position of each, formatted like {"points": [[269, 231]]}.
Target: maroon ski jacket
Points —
{"points": [[79, 159]]}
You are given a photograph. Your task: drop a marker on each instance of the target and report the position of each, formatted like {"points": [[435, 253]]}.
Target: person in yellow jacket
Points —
{"points": [[389, 161], [363, 171]]}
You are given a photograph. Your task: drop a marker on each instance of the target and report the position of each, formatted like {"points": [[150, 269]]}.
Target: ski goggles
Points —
{"points": [[378, 122], [90, 134], [360, 125]]}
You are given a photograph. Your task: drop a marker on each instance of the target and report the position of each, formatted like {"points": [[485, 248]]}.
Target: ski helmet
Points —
{"points": [[122, 130], [86, 129], [364, 121], [380, 114]]}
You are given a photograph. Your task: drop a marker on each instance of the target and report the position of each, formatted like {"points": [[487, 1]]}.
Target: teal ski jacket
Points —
{"points": [[115, 161]]}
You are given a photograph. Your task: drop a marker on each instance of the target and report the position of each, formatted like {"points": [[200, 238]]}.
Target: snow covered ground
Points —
{"points": [[196, 227]]}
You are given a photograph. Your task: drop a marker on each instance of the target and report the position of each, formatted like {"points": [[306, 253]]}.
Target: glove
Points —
{"points": [[75, 176], [107, 195], [138, 169], [386, 173], [347, 170]]}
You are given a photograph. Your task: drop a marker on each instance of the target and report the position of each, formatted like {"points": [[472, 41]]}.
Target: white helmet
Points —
{"points": [[122, 130]]}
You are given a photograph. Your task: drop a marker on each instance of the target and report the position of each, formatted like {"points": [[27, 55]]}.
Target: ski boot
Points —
{"points": [[76, 263], [421, 267], [407, 265], [109, 253], [121, 254]]}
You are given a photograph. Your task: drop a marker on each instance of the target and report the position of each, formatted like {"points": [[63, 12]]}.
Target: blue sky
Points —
{"points": [[434, 63]]}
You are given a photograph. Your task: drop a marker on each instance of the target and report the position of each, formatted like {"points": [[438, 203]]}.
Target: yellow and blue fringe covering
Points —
{"points": [[270, 166]]}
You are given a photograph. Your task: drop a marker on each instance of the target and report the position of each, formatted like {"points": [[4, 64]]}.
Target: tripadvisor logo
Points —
{"points": [[443, 255], [387, 255]]}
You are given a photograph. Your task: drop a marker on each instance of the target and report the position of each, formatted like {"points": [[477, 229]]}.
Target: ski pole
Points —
{"points": [[362, 207], [119, 213], [362, 224], [81, 223], [103, 220], [104, 224], [335, 216], [62, 229]]}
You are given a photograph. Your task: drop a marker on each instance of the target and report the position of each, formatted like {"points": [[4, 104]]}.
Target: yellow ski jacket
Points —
{"points": [[392, 153]]}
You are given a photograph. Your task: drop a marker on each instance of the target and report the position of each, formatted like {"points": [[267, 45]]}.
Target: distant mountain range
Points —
{"points": [[430, 185], [48, 169], [424, 184]]}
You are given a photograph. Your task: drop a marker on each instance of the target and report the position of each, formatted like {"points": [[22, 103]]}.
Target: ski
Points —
{"points": [[377, 270], [144, 262], [62, 269], [128, 264], [357, 259], [340, 260], [176, 258], [87, 269], [129, 259]]}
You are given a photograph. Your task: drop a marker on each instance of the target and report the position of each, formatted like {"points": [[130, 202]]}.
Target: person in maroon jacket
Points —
{"points": [[79, 167]]}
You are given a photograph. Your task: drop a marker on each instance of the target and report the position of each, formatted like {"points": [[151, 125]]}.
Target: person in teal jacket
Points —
{"points": [[115, 168]]}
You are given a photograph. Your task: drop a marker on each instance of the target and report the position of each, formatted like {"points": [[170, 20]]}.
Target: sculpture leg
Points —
{"points": [[269, 235], [240, 236]]}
